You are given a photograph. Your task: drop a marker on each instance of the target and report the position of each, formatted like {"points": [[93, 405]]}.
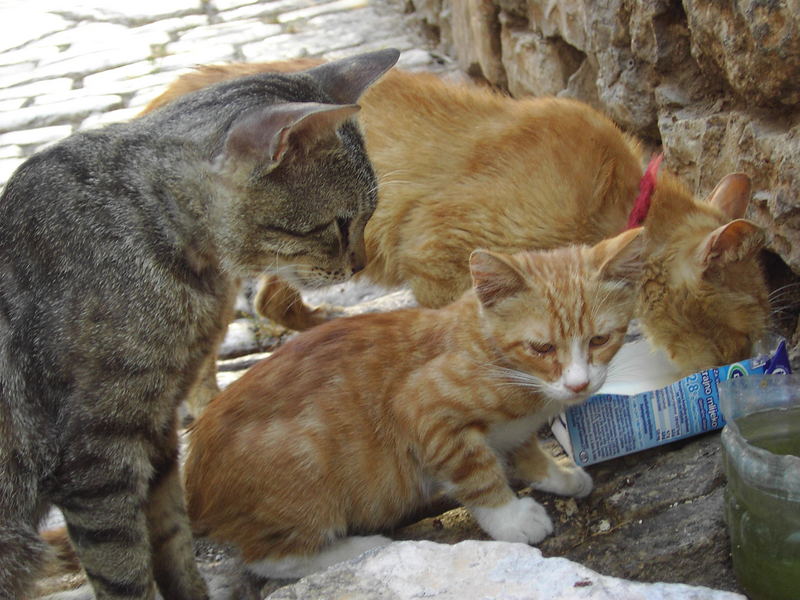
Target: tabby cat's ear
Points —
{"points": [[263, 134], [732, 195], [620, 258], [346, 79], [737, 240], [494, 276]]}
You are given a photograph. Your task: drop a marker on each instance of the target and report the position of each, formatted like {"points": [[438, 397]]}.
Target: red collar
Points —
{"points": [[647, 186]]}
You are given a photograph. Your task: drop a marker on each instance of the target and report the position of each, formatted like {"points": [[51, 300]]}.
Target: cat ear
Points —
{"points": [[620, 258], [494, 277], [732, 195], [737, 240], [263, 134], [346, 79]]}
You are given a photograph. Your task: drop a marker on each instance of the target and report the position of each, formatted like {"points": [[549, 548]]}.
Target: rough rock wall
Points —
{"points": [[716, 82]]}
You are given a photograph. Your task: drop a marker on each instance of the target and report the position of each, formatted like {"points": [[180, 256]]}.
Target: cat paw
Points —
{"points": [[565, 481], [521, 520]]}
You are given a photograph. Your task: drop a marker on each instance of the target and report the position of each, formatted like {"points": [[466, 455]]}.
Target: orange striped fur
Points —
{"points": [[462, 167], [354, 424]]}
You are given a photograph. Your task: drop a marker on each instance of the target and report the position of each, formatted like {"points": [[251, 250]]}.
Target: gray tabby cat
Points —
{"points": [[119, 255]]}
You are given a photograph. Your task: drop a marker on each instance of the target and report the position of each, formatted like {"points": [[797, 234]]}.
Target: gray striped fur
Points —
{"points": [[119, 254]]}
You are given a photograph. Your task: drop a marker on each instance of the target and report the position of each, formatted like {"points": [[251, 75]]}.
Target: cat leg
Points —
{"points": [[475, 477], [174, 566], [23, 553], [532, 465], [205, 388], [108, 527], [295, 566], [279, 301]]}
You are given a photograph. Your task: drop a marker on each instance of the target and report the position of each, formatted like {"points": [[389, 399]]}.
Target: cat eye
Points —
{"points": [[598, 340], [318, 229], [539, 348], [295, 233]]}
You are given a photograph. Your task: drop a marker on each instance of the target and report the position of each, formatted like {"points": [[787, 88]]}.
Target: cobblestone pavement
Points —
{"points": [[66, 66]]}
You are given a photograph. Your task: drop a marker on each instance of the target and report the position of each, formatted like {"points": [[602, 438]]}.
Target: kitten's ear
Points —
{"points": [[346, 79], [494, 277], [732, 195], [737, 240], [263, 134], [620, 258]]}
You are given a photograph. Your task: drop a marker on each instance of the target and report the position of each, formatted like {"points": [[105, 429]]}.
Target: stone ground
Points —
{"points": [[71, 66]]}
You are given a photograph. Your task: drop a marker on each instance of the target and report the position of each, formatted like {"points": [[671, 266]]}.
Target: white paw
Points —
{"points": [[582, 484], [521, 520], [566, 481]]}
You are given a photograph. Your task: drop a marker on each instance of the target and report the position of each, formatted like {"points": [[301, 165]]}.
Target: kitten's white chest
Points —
{"points": [[504, 437]]}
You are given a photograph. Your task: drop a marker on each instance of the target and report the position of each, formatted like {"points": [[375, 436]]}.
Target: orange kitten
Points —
{"points": [[461, 167], [355, 423]]}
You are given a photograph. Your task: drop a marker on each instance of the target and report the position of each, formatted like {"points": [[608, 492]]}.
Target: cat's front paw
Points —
{"points": [[521, 520], [581, 484], [565, 481]]}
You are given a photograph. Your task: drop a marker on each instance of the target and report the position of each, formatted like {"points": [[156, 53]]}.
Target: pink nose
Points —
{"points": [[578, 387]]}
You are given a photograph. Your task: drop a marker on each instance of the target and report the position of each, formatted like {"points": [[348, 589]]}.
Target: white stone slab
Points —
{"points": [[39, 135], [321, 8], [238, 32], [11, 152], [7, 167], [477, 570], [107, 118], [22, 22], [46, 86], [41, 116]]}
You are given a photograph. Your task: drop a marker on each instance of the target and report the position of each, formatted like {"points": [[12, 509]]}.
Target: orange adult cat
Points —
{"points": [[461, 167], [355, 423]]}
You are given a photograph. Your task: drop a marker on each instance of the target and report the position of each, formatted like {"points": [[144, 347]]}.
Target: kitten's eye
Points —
{"points": [[598, 340], [541, 349]]}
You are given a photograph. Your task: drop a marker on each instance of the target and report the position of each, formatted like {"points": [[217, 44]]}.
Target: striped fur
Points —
{"points": [[119, 254], [461, 167], [350, 426]]}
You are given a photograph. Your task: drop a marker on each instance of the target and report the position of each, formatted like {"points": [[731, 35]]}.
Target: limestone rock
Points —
{"points": [[639, 503], [753, 45], [476, 30], [501, 570]]}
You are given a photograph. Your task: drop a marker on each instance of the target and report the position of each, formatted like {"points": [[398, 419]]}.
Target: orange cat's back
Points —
{"points": [[302, 430], [462, 167]]}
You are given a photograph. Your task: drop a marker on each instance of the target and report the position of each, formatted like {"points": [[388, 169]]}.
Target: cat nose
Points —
{"points": [[577, 387], [357, 262], [357, 266]]}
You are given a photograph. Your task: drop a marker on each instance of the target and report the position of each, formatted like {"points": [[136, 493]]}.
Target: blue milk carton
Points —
{"points": [[635, 411]]}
